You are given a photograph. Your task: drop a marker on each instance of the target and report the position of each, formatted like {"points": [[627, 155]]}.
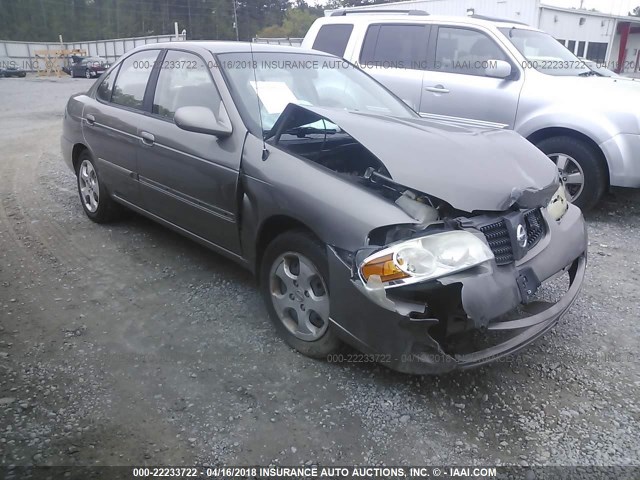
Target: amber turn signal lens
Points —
{"points": [[384, 267]]}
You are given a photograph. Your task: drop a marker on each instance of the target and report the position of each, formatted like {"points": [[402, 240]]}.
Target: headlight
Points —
{"points": [[425, 258], [559, 204]]}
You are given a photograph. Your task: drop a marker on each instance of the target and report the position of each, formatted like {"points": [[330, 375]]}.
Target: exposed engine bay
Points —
{"points": [[310, 136]]}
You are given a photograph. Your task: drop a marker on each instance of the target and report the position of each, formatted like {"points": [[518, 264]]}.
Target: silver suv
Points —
{"points": [[491, 73]]}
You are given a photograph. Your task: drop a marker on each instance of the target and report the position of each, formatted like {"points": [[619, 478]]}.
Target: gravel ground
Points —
{"points": [[127, 344]]}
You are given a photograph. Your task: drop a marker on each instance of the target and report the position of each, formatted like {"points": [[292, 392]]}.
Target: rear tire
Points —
{"points": [[94, 197], [577, 159], [298, 306]]}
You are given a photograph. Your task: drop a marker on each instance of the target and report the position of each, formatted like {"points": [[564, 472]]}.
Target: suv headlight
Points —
{"points": [[425, 258], [559, 204]]}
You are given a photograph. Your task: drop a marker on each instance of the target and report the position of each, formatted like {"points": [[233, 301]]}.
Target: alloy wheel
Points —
{"points": [[89, 186], [299, 296], [571, 174]]}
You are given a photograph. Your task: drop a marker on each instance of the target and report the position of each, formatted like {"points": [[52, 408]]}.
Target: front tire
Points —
{"points": [[294, 281], [580, 167], [94, 197], [87, 74]]}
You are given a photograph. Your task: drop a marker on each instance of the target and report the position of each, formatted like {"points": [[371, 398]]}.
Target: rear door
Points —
{"points": [[110, 123], [395, 54], [456, 87], [189, 179]]}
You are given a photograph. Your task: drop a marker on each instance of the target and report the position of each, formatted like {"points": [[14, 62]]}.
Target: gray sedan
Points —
{"points": [[424, 245]]}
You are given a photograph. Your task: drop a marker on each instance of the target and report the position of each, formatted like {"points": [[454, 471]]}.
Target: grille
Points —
{"points": [[535, 227], [499, 241]]}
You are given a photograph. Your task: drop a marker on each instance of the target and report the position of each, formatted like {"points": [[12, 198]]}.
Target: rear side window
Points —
{"points": [[395, 46], [184, 81], [106, 86], [131, 82], [333, 39]]}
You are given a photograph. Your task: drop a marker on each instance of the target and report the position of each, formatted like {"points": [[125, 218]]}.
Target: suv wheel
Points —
{"points": [[87, 73], [294, 284], [95, 199], [580, 168]]}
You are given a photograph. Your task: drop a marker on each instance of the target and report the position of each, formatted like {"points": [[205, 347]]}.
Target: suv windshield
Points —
{"points": [[304, 79], [545, 53]]}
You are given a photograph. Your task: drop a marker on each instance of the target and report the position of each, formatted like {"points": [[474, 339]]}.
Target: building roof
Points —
{"points": [[582, 12]]}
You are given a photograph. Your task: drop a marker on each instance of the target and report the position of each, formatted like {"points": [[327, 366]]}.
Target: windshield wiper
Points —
{"points": [[590, 73], [302, 132]]}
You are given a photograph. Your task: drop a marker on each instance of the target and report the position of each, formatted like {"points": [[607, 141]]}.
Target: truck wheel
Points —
{"points": [[294, 283], [580, 167], [95, 199]]}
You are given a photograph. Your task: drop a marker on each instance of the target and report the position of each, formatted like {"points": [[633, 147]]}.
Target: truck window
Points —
{"points": [[333, 39], [465, 51], [395, 46]]}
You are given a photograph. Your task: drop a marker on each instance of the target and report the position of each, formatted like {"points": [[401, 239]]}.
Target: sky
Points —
{"points": [[617, 7]]}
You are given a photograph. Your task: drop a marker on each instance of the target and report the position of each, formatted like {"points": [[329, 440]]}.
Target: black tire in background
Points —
{"points": [[303, 243], [107, 210], [588, 160]]}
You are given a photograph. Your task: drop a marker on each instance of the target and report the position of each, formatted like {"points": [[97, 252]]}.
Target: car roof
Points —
{"points": [[231, 47], [354, 17]]}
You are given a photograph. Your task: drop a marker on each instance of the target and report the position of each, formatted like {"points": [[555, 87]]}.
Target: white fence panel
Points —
{"points": [[22, 54]]}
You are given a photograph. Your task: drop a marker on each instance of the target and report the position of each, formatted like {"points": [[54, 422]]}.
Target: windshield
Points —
{"points": [[304, 79], [545, 53]]}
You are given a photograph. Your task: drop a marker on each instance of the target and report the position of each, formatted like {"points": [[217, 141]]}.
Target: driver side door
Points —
{"points": [[186, 178]]}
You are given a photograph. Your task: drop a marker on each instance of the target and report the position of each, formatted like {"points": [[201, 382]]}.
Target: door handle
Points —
{"points": [[437, 89], [90, 119], [147, 138]]}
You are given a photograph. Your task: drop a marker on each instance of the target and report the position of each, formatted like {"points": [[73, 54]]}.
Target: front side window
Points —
{"points": [[545, 54], [263, 92], [333, 39], [184, 81], [465, 51], [395, 46], [106, 86], [131, 82]]}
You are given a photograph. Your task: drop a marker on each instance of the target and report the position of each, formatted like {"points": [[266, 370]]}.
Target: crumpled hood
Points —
{"points": [[470, 169]]}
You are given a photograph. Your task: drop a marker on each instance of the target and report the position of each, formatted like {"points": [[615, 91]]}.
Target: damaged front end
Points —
{"points": [[463, 279], [463, 291]]}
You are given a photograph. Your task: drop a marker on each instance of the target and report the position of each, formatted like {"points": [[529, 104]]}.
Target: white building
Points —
{"points": [[595, 35]]}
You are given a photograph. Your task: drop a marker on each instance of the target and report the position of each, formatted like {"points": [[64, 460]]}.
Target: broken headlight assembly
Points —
{"points": [[424, 258], [559, 204]]}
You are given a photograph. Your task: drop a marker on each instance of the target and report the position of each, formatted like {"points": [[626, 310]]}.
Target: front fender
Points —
{"points": [[340, 212]]}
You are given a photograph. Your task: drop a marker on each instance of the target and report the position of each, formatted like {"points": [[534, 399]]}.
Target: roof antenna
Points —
{"points": [[265, 152]]}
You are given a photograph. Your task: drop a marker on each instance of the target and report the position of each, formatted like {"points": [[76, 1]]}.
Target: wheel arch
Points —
{"points": [[78, 148], [551, 132], [272, 227]]}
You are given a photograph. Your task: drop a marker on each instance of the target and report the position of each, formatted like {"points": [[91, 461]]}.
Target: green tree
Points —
{"points": [[296, 23]]}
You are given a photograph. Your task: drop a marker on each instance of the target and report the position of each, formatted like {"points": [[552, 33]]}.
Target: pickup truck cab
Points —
{"points": [[491, 73]]}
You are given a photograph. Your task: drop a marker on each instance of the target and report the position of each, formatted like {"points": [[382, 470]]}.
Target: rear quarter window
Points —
{"points": [[333, 39]]}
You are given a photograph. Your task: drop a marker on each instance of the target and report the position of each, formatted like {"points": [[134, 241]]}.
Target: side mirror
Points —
{"points": [[203, 120], [498, 69]]}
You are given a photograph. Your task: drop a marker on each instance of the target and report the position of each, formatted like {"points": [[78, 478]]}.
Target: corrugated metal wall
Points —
{"points": [[22, 54], [526, 11]]}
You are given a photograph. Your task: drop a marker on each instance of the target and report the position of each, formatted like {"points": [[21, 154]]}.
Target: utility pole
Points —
{"points": [[235, 19], [581, 4], [44, 13], [189, 13], [117, 19]]}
